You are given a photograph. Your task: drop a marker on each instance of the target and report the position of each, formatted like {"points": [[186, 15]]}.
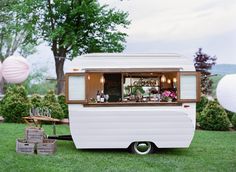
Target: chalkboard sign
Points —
{"points": [[112, 86]]}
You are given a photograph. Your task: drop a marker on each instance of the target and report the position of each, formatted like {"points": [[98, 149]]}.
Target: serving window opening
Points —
{"points": [[150, 87], [147, 87]]}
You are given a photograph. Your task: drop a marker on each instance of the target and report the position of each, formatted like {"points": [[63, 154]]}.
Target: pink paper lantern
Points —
{"points": [[0, 71], [15, 69]]}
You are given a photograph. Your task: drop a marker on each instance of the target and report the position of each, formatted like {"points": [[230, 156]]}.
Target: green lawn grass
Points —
{"points": [[209, 151]]}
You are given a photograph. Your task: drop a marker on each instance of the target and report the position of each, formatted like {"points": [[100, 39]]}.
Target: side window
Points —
{"points": [[75, 88], [189, 87]]}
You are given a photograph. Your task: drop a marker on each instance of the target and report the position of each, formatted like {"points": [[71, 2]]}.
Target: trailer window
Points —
{"points": [[75, 88], [150, 87], [103, 84], [134, 88], [189, 90]]}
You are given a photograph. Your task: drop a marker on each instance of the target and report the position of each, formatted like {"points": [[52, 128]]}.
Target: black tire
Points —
{"points": [[142, 148]]}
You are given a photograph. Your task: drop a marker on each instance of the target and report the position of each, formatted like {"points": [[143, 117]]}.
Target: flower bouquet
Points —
{"points": [[169, 96]]}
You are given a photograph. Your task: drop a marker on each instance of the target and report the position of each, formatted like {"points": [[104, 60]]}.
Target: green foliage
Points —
{"points": [[203, 63], [197, 116], [137, 88], [52, 104], [72, 28], [233, 120], [50, 97], [202, 104], [214, 117], [13, 37], [15, 104], [36, 83], [36, 101], [215, 80], [41, 87], [64, 106], [57, 105], [230, 114]]}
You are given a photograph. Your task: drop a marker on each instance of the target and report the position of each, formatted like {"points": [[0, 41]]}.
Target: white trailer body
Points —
{"points": [[119, 124]]}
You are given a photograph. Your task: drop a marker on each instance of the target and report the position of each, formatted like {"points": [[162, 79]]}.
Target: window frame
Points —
{"points": [[179, 100], [67, 75], [198, 87]]}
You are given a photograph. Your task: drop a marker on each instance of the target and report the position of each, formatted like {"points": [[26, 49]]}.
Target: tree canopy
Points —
{"points": [[13, 37], [72, 27], [203, 63]]}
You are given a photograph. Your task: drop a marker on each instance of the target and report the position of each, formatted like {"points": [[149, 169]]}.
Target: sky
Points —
{"points": [[168, 26]]}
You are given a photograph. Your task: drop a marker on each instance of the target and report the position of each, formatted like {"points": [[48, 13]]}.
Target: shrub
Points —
{"points": [[230, 114], [214, 117], [52, 104], [233, 120], [36, 101], [197, 116], [202, 104], [15, 104], [50, 97], [64, 106]]}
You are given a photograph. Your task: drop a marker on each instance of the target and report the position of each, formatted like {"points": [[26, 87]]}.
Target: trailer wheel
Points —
{"points": [[142, 148]]}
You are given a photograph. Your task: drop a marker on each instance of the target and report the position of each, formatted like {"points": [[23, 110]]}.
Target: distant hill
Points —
{"points": [[223, 69]]}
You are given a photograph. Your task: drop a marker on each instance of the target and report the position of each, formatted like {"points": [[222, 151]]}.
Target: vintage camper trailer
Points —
{"points": [[137, 101]]}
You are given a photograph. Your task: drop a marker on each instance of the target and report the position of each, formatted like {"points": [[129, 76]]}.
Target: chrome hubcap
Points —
{"points": [[142, 147]]}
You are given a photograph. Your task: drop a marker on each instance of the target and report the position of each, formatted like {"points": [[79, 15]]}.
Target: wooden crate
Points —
{"points": [[47, 147], [34, 135], [23, 147]]}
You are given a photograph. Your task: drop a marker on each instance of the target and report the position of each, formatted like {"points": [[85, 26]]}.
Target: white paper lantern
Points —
{"points": [[226, 92], [15, 69], [0, 71]]}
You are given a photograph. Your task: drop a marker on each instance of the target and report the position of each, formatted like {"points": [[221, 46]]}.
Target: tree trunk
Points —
{"points": [[59, 64], [59, 57], [2, 86]]}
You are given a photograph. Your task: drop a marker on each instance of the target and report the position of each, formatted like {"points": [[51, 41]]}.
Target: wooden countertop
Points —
{"points": [[129, 103]]}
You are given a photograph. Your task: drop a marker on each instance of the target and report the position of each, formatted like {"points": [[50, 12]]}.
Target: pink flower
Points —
{"points": [[173, 95], [169, 94]]}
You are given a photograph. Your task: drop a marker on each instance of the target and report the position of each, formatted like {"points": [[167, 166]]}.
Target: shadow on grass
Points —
{"points": [[104, 150], [69, 146], [172, 151], [163, 151]]}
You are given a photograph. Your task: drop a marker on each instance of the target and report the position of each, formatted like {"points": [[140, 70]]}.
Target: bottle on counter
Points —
{"points": [[102, 97], [98, 97], [106, 98]]}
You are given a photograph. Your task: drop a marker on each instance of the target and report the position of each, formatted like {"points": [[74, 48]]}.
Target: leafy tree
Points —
{"points": [[13, 37], [37, 82], [203, 63], [72, 28]]}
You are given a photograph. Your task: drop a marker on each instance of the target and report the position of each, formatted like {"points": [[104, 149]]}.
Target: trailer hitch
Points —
{"points": [[61, 137]]}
